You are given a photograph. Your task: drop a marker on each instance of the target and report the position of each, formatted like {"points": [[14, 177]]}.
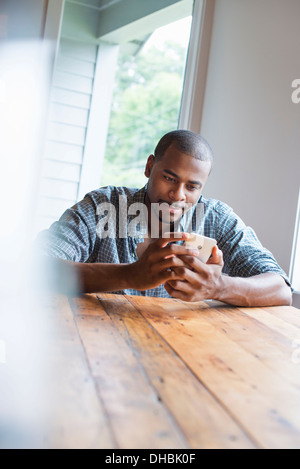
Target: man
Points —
{"points": [[116, 240]]}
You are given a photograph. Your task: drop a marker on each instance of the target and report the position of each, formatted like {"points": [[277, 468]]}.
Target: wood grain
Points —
{"points": [[136, 415], [203, 421], [78, 419], [133, 372], [252, 392]]}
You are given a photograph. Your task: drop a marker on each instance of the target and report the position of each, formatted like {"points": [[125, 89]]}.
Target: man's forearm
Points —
{"points": [[261, 290], [102, 277], [78, 277], [151, 270]]}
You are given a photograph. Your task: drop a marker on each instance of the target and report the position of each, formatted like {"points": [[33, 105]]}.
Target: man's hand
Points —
{"points": [[160, 263], [197, 281]]}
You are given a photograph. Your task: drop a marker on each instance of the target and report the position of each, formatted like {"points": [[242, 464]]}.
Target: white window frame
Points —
{"points": [[197, 66], [294, 273], [53, 25]]}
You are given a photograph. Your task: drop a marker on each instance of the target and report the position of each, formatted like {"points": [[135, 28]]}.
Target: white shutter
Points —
{"points": [[66, 133]]}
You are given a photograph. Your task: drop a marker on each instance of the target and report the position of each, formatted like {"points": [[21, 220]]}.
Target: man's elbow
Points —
{"points": [[285, 295], [289, 301]]}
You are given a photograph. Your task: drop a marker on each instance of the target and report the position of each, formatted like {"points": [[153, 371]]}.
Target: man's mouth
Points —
{"points": [[173, 206], [174, 210], [169, 212]]}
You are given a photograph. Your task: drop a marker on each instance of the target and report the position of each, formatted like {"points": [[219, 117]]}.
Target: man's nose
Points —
{"points": [[178, 193]]}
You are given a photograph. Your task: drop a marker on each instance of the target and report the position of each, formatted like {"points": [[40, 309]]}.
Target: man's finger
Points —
{"points": [[171, 237], [180, 294], [217, 256]]}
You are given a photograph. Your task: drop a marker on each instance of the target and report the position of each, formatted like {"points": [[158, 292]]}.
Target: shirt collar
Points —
{"points": [[140, 195], [137, 224], [186, 222]]}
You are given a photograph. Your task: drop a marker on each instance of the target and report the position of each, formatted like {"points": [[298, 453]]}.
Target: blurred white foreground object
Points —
{"points": [[24, 90]]}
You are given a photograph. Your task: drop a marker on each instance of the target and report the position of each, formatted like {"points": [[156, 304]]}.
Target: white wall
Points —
{"points": [[249, 118], [25, 18]]}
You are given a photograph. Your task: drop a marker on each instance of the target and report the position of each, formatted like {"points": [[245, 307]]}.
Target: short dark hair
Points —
{"points": [[187, 142]]}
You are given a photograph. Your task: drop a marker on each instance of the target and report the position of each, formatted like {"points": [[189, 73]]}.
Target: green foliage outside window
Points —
{"points": [[146, 105]]}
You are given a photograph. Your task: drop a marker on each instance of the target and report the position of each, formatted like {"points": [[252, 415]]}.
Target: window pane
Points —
{"points": [[146, 101]]}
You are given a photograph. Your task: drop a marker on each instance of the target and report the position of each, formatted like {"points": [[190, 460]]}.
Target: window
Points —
{"points": [[146, 100], [295, 261], [116, 89]]}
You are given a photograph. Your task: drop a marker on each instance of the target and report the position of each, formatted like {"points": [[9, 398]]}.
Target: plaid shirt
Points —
{"points": [[75, 236]]}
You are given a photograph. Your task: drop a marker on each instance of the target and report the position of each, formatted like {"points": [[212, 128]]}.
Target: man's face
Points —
{"points": [[175, 183]]}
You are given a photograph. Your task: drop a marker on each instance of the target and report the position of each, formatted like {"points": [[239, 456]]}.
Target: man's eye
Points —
{"points": [[167, 178], [192, 188]]}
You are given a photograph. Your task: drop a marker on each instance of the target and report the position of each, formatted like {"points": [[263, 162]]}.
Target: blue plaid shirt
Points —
{"points": [[75, 236]]}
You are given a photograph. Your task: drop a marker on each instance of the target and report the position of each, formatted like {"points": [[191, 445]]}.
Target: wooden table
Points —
{"points": [[157, 373]]}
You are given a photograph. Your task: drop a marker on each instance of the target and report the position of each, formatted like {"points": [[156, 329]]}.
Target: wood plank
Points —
{"points": [[266, 406], [288, 314], [75, 66], [68, 115], [202, 419], [73, 82], [136, 415], [71, 98], [78, 417], [56, 188], [66, 133], [78, 50], [275, 323], [270, 347], [63, 152], [61, 170]]}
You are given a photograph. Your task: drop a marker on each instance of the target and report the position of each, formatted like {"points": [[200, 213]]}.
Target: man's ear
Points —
{"points": [[149, 166]]}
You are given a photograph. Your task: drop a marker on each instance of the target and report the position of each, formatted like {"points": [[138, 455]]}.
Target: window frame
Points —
{"points": [[197, 66], [295, 256]]}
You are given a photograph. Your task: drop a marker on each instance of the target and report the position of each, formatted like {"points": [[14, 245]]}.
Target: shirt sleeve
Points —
{"points": [[244, 255], [73, 237]]}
